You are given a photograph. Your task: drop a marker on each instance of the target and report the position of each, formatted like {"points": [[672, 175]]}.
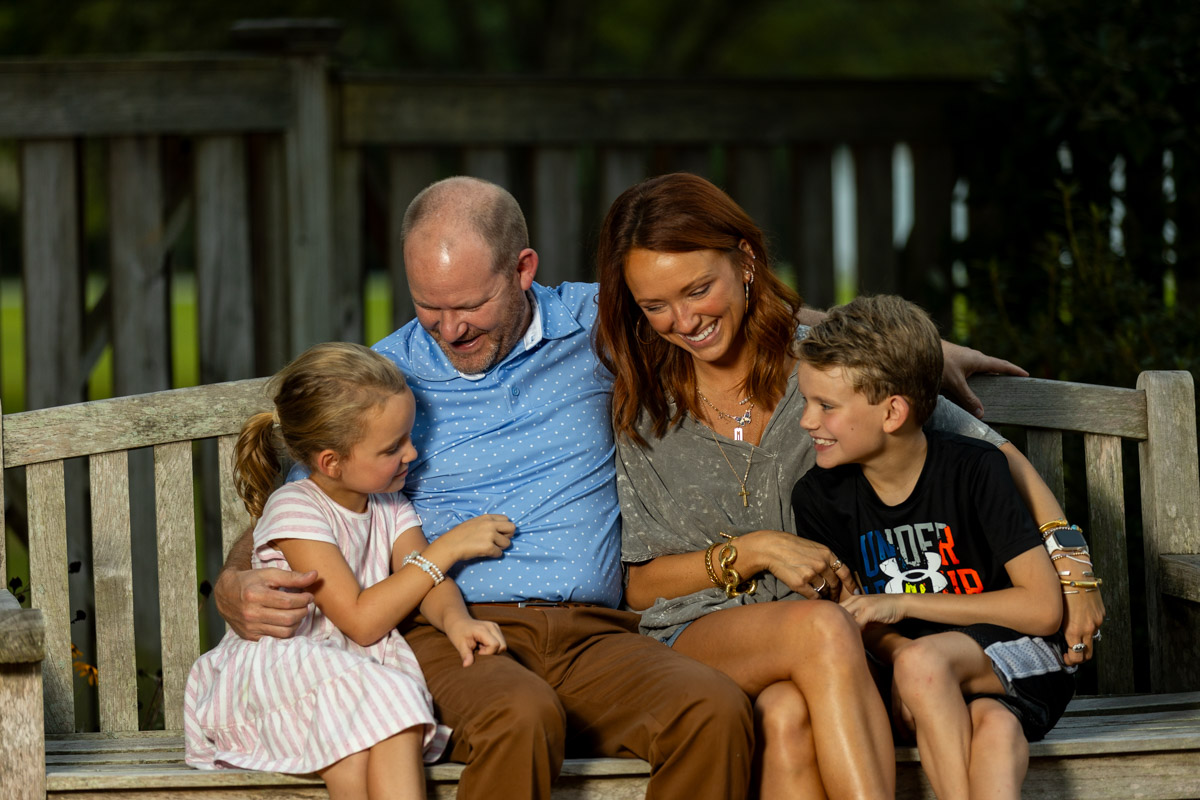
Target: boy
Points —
{"points": [[959, 598]]}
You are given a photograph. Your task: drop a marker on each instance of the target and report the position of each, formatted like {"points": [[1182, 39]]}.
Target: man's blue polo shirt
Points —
{"points": [[530, 439]]}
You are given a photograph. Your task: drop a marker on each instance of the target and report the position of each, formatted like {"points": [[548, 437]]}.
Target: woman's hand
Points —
{"points": [[1082, 615], [804, 565], [470, 636], [959, 363]]}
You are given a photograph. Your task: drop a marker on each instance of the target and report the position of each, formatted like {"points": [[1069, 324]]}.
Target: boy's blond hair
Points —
{"points": [[886, 345]]}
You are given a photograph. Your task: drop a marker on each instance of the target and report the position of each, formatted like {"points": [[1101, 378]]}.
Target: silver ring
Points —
{"points": [[835, 566], [1096, 636], [822, 587], [1078, 648]]}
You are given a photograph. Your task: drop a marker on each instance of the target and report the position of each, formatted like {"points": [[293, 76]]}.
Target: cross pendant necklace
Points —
{"points": [[744, 493]]}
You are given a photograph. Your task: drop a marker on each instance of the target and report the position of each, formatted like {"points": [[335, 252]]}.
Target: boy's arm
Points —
{"points": [[1030, 606]]}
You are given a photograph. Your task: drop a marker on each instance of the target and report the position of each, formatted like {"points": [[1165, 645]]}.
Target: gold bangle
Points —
{"points": [[733, 579], [1054, 523], [1096, 584], [712, 573]]}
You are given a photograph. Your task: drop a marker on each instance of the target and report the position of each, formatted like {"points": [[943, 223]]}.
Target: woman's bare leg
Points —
{"points": [[816, 646], [786, 757]]}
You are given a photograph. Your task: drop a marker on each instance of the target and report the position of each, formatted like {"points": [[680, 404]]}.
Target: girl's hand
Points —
{"points": [[867, 608], [470, 636], [485, 536]]}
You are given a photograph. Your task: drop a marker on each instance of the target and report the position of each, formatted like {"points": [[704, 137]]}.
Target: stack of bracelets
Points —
{"points": [[1065, 541], [729, 579]]}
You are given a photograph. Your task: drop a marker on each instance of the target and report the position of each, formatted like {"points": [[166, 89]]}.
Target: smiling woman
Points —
{"points": [[701, 339]]}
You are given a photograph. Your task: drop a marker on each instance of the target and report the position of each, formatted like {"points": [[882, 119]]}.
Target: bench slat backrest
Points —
{"points": [[104, 432], [1160, 415]]}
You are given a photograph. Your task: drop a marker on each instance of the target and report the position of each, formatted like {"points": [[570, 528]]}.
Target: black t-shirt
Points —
{"points": [[954, 533]]}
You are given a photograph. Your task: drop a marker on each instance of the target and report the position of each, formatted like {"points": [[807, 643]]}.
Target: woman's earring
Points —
{"points": [[637, 331], [746, 286]]}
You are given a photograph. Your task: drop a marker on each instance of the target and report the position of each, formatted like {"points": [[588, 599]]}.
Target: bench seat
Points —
{"points": [[1137, 746]]}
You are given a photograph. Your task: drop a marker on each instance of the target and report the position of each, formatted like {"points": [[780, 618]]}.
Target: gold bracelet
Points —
{"points": [[1054, 523], [712, 573], [1096, 584], [733, 580]]}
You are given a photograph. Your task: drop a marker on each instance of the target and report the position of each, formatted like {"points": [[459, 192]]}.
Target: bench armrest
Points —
{"points": [[22, 730], [22, 632]]}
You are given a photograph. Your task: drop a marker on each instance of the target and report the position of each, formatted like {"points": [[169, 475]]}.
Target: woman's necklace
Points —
{"points": [[740, 422], [745, 493]]}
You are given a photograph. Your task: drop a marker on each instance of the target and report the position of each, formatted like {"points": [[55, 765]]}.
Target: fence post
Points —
{"points": [[308, 159]]}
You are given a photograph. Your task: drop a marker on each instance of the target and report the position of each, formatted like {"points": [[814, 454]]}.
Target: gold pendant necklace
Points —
{"points": [[744, 493]]}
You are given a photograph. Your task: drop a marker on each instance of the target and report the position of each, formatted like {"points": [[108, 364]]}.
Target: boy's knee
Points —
{"points": [[919, 668], [997, 728]]}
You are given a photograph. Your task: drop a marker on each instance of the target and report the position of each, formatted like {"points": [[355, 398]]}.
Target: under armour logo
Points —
{"points": [[914, 579]]}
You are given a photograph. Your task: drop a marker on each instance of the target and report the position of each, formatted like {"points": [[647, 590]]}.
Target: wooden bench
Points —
{"points": [[1120, 745]]}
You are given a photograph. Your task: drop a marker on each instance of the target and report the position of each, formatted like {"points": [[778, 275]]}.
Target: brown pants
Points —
{"points": [[583, 680]]}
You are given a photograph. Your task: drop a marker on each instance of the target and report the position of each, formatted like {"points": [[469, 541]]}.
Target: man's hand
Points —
{"points": [[257, 602], [959, 363]]}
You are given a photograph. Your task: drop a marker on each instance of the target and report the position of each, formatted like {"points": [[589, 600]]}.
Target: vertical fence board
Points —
{"points": [[223, 269], [269, 243], [348, 275], [750, 184], [409, 171], [490, 163], [178, 600], [53, 298], [926, 272], [558, 216], [1106, 524], [696, 159], [813, 222], [309, 152], [873, 189], [112, 566], [621, 167], [141, 332], [1045, 453], [49, 590]]}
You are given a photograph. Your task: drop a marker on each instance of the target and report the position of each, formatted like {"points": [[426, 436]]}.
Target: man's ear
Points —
{"points": [[527, 264], [329, 464], [897, 410]]}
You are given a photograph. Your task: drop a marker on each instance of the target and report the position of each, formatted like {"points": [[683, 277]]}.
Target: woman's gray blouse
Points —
{"points": [[679, 493]]}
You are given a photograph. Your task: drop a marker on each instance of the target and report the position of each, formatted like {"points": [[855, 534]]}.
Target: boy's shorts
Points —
{"points": [[1037, 684]]}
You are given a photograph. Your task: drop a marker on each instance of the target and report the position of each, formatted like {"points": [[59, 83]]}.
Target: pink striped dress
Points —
{"points": [[298, 705]]}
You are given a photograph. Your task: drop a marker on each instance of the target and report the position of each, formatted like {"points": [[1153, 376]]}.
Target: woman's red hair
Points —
{"points": [[682, 213]]}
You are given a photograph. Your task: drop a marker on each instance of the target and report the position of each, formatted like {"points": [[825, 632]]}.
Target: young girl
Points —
{"points": [[345, 697]]}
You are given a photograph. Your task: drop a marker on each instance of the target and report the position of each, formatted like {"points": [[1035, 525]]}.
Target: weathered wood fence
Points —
{"points": [[278, 183]]}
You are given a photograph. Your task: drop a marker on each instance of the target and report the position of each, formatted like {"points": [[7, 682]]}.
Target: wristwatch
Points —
{"points": [[1066, 538]]}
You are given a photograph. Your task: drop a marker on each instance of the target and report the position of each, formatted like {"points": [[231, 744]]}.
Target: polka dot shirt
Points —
{"points": [[531, 439]]}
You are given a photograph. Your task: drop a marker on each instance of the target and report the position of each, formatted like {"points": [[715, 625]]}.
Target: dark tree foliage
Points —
{"points": [[1092, 83]]}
